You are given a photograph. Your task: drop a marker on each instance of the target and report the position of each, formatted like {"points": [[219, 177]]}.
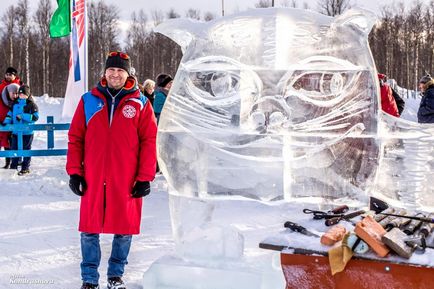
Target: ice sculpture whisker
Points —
{"points": [[184, 113], [355, 130], [182, 102]]}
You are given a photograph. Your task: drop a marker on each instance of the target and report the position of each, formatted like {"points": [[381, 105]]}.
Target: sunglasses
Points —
{"points": [[9, 74], [116, 53]]}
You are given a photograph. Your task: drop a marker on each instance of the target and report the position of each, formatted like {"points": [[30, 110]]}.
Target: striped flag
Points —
{"points": [[77, 79]]}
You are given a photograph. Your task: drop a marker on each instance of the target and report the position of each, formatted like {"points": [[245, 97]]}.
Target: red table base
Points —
{"points": [[310, 271]]}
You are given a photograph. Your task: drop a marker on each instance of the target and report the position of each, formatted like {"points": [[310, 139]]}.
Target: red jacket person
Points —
{"points": [[111, 160], [6, 103], [388, 103]]}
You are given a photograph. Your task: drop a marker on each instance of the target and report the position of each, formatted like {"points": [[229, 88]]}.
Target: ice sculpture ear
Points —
{"points": [[182, 31], [361, 19]]}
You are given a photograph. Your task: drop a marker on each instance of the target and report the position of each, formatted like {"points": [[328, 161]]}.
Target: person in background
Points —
{"points": [[400, 102], [23, 111], [164, 83], [388, 103], [10, 77], [132, 73], [148, 89], [8, 95], [111, 160], [425, 114]]}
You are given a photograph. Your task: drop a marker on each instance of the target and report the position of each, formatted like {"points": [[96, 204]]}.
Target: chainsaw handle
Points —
{"points": [[333, 221]]}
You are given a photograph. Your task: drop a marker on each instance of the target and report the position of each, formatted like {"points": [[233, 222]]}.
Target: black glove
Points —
{"points": [[74, 184], [141, 189], [18, 117], [2, 123]]}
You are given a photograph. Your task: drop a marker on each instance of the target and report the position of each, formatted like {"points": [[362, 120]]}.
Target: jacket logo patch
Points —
{"points": [[129, 111]]}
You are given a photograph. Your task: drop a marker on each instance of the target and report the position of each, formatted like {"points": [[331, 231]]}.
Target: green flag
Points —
{"points": [[60, 24]]}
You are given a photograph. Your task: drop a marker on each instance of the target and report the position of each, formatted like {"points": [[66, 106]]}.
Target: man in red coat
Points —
{"points": [[10, 77], [388, 103], [111, 160]]}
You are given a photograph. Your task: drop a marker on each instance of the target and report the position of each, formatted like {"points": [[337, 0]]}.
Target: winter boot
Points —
{"points": [[89, 286], [115, 283], [23, 172], [8, 162]]}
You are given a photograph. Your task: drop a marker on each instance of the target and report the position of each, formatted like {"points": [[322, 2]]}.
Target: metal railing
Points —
{"points": [[49, 127]]}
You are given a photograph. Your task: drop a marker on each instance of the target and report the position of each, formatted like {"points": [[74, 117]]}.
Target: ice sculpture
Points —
{"points": [[406, 165], [274, 105]]}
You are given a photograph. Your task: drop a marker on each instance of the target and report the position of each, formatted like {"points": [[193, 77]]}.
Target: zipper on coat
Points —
{"points": [[104, 202], [112, 111]]}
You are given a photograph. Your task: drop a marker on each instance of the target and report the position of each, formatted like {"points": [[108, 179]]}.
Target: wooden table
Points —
{"points": [[305, 269]]}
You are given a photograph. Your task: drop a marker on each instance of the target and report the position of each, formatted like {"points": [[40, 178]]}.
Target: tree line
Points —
{"points": [[401, 41]]}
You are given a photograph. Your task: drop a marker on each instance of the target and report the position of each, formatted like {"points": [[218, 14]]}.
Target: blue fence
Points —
{"points": [[49, 127]]}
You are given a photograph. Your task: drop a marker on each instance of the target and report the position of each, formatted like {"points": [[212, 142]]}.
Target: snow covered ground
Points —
{"points": [[39, 241]]}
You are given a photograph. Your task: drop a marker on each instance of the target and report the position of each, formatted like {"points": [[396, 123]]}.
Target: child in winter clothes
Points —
{"points": [[24, 110]]}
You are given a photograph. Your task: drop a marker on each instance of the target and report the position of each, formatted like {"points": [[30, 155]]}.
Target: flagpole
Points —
{"points": [[77, 83]]}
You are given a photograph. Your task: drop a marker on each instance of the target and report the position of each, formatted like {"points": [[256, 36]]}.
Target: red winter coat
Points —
{"points": [[4, 109], [388, 103], [111, 158]]}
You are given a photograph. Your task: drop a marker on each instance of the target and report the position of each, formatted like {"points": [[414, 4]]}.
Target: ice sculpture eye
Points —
{"points": [[222, 83], [219, 84], [336, 83], [321, 87], [218, 81], [319, 83]]}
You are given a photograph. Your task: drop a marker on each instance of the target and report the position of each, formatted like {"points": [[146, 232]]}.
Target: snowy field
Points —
{"points": [[39, 240]]}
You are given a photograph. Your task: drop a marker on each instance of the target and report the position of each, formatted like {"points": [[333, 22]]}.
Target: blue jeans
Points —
{"points": [[91, 254], [27, 145]]}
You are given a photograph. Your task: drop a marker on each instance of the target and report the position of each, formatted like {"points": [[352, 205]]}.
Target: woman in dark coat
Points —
{"points": [[425, 113]]}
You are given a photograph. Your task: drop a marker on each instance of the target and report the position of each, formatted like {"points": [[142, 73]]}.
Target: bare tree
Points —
{"points": [[416, 27], [428, 45], [103, 32], [193, 14], [136, 41], [333, 7], [288, 3], [157, 16], [401, 42], [208, 16], [263, 4], [42, 19], [8, 20], [22, 16], [59, 69], [172, 14]]}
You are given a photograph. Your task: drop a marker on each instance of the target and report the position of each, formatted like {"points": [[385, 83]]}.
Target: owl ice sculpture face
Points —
{"points": [[271, 103]]}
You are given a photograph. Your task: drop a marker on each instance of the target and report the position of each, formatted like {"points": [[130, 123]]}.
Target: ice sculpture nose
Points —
{"points": [[269, 112]]}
